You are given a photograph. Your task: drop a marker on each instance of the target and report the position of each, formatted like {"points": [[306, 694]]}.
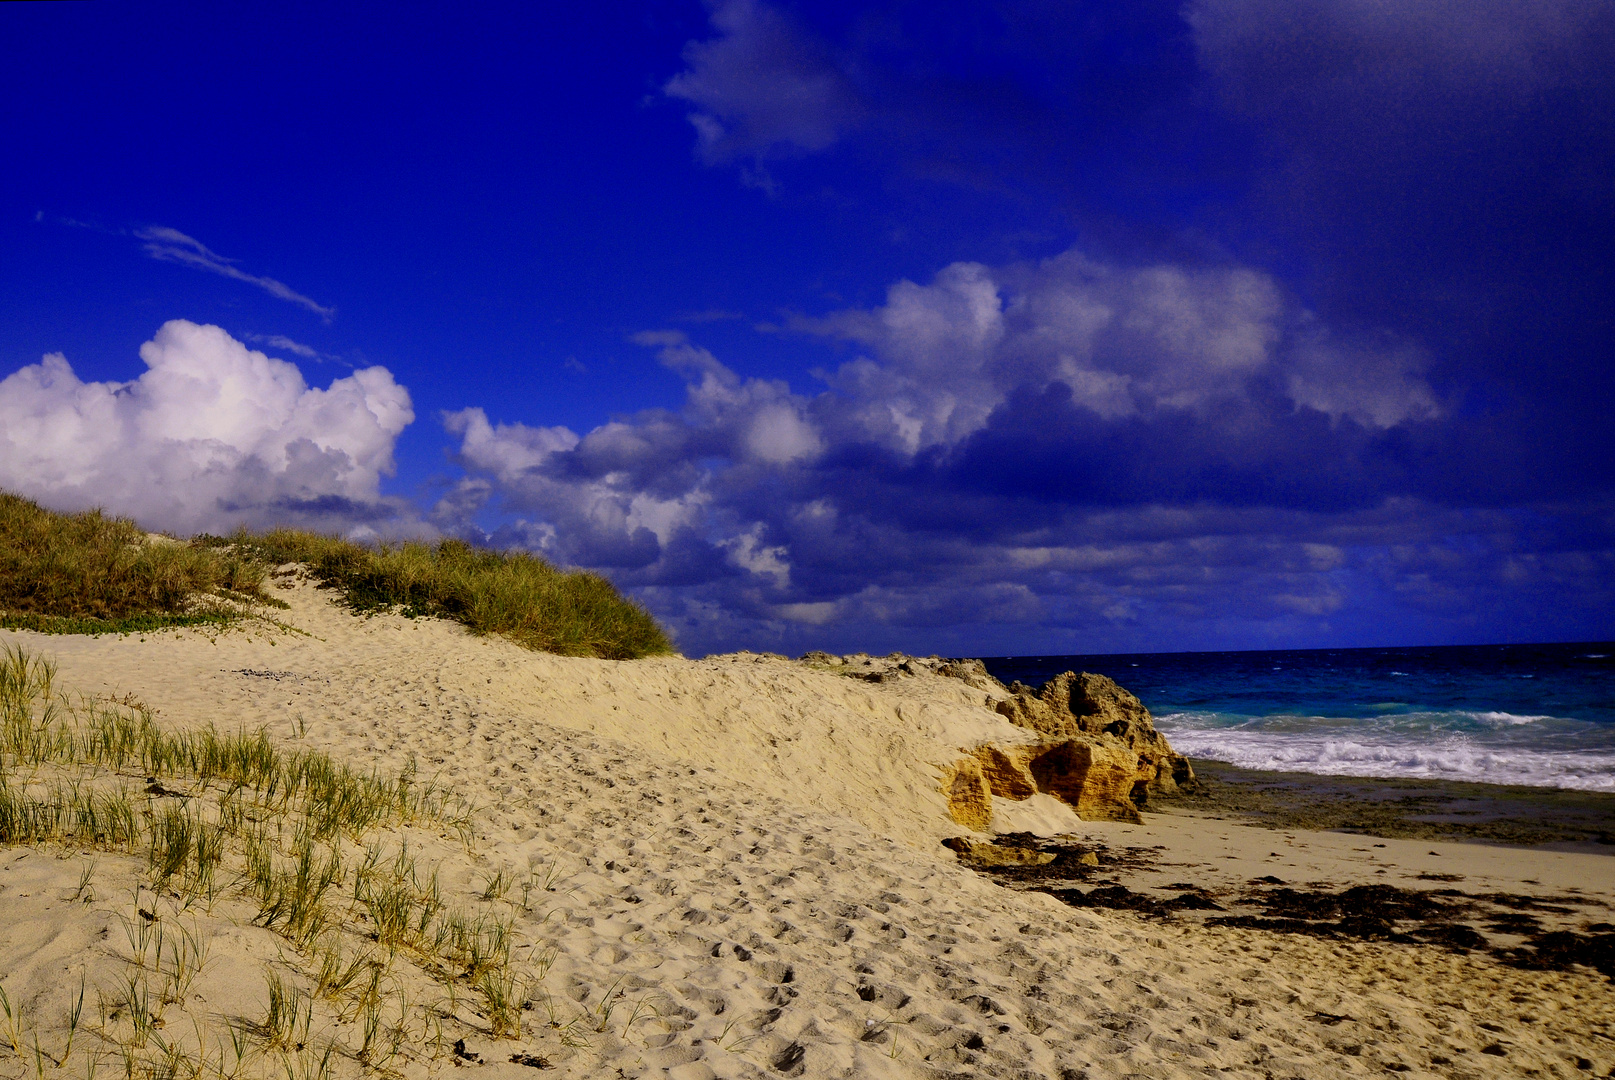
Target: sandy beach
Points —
{"points": [[734, 868]]}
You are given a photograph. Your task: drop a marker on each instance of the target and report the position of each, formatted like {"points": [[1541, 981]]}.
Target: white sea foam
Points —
{"points": [[1451, 757], [1503, 719], [1420, 724]]}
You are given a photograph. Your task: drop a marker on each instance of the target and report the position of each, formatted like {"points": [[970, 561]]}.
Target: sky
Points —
{"points": [[971, 328]]}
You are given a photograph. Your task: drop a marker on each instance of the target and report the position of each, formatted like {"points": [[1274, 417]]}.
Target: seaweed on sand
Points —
{"points": [[1083, 875]]}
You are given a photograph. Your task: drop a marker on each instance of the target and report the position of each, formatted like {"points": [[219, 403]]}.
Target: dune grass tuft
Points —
{"points": [[90, 573], [308, 848], [512, 593]]}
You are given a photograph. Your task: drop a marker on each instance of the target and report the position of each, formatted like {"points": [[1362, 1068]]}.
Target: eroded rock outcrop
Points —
{"points": [[1088, 742], [897, 666], [1106, 758], [970, 796], [1008, 769]]}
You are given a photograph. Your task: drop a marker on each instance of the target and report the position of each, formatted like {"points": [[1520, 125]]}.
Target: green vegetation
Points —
{"points": [[511, 593], [88, 573]]}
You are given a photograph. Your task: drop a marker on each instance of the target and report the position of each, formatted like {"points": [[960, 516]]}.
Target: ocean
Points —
{"points": [[1540, 715]]}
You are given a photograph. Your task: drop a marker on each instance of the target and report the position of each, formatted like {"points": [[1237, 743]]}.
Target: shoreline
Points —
{"points": [[1422, 809]]}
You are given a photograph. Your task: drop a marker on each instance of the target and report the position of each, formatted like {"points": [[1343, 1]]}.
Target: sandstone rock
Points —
{"points": [[1105, 757], [1007, 770], [878, 669], [986, 853], [1088, 742], [1099, 704], [971, 673], [1068, 706], [970, 800], [1096, 777]]}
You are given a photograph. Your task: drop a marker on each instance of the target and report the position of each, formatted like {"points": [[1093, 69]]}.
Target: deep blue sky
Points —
{"points": [[982, 328]]}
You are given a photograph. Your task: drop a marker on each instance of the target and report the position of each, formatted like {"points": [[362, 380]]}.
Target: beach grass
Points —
{"points": [[305, 847], [511, 593], [88, 573]]}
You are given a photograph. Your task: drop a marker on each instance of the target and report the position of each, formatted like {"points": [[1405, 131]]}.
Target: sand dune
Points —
{"points": [[739, 874]]}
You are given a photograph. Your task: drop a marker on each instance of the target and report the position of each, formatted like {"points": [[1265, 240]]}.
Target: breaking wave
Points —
{"points": [[1486, 747]]}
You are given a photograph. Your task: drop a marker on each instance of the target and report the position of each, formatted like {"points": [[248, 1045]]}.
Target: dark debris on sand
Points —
{"points": [[1504, 925], [1423, 809]]}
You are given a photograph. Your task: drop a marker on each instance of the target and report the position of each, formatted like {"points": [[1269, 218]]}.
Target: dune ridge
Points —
{"points": [[740, 874]]}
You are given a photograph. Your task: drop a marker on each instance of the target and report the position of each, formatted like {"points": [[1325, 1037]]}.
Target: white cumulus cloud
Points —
{"points": [[1126, 340], [212, 435]]}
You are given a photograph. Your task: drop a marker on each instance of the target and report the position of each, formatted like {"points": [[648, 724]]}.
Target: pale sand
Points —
{"points": [[746, 852]]}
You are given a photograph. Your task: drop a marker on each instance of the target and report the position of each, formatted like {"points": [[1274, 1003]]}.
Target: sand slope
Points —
{"points": [[743, 854]]}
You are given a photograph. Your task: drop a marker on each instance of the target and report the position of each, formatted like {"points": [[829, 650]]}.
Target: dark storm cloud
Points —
{"points": [[1081, 447], [1445, 169], [1435, 132], [1448, 170], [765, 86], [1346, 351], [1427, 115], [996, 96]]}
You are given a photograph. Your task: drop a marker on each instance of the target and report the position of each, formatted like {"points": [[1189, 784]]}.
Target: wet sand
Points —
{"points": [[1415, 809]]}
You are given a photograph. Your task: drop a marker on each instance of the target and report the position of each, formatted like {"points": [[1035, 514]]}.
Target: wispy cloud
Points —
{"points": [[764, 87], [171, 245], [285, 344]]}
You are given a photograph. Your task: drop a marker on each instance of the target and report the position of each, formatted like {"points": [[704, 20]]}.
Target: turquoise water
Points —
{"points": [[1542, 715]]}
